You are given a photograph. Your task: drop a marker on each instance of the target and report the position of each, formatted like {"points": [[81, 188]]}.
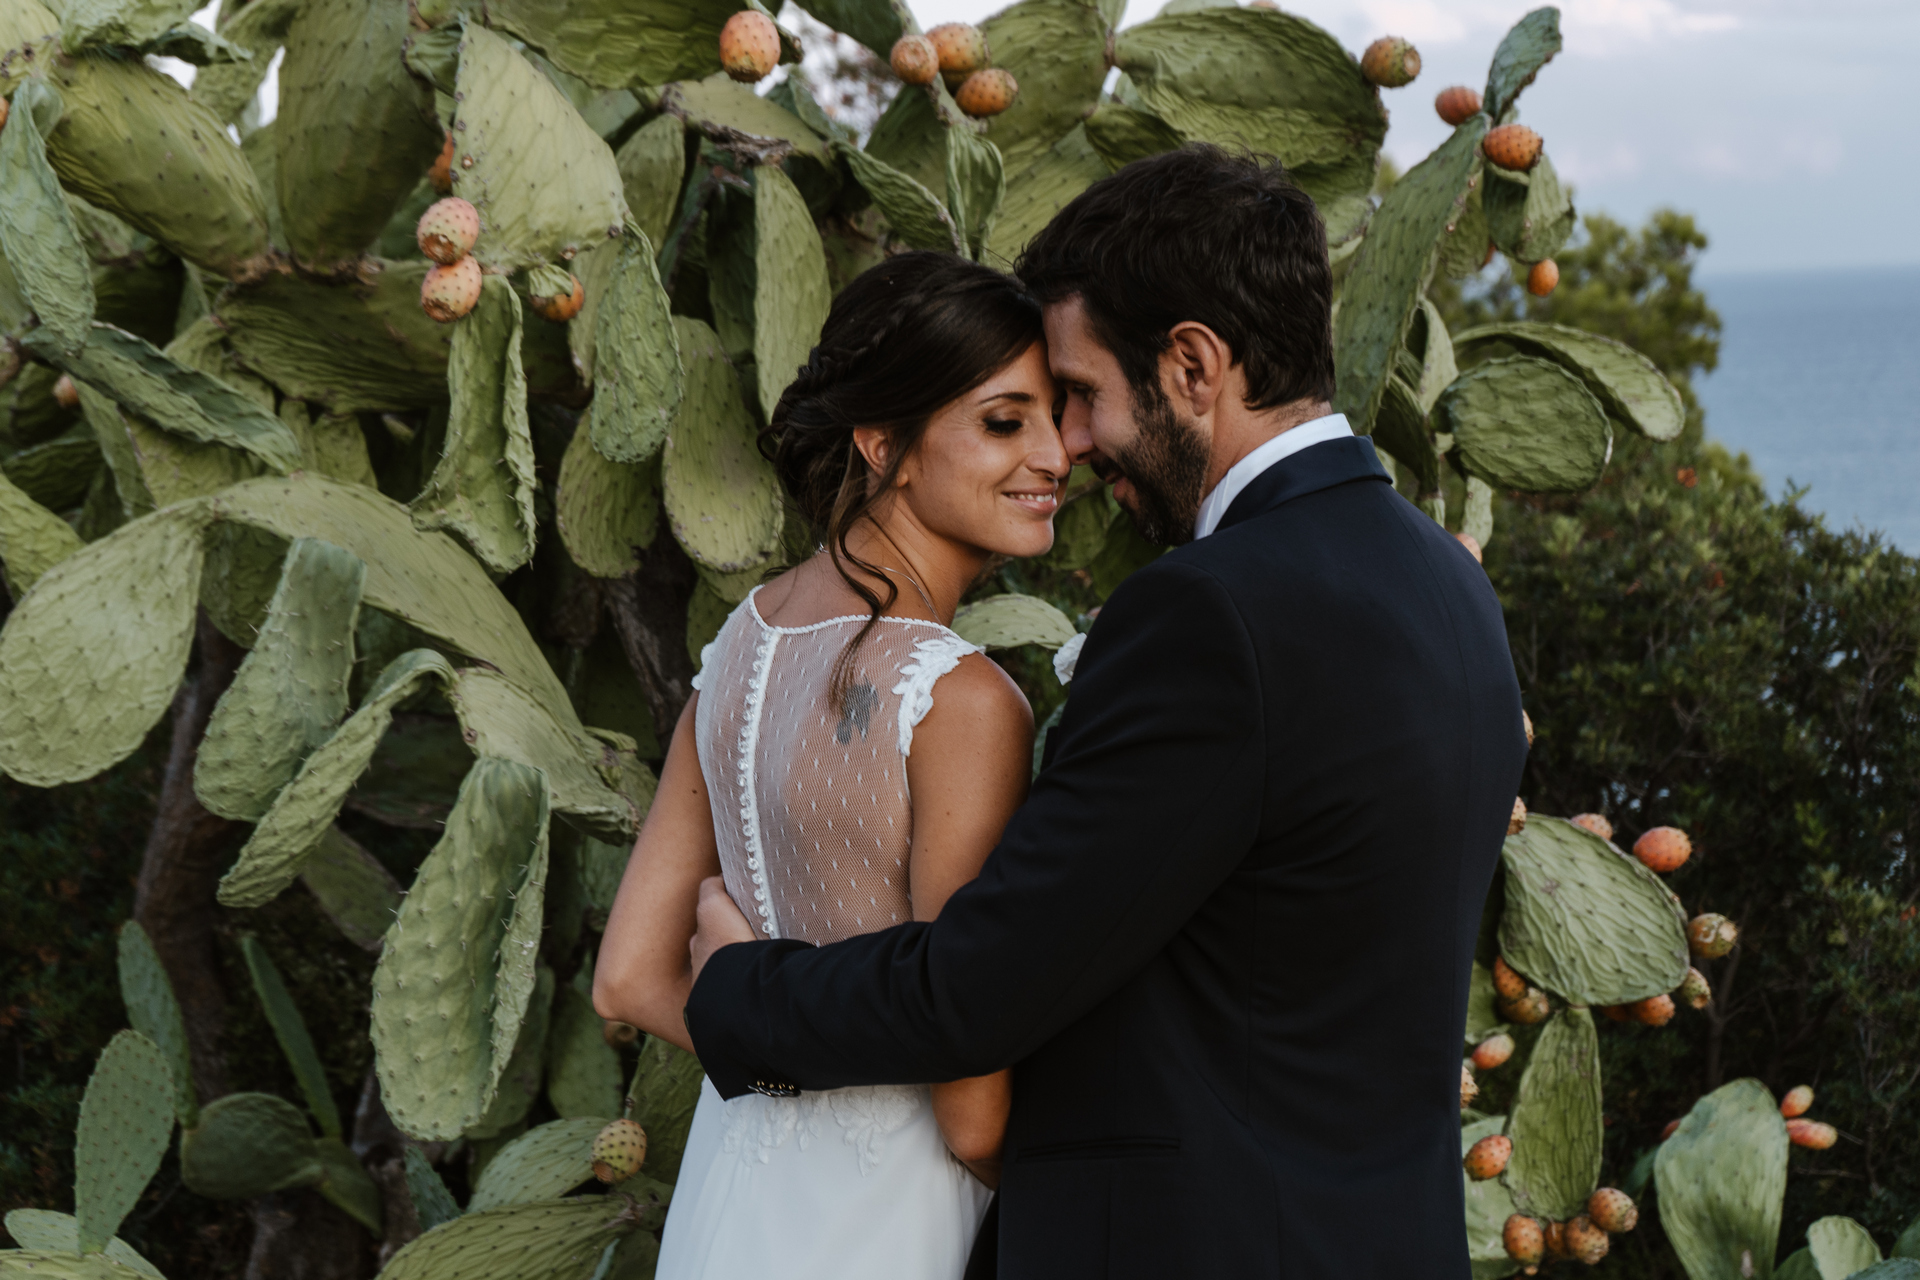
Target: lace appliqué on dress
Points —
{"points": [[755, 1126], [932, 658]]}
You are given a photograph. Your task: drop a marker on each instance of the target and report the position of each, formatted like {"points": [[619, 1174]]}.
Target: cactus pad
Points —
{"points": [[1041, 188], [520, 1082], [1587, 921], [1522, 423], [90, 658], [290, 691], [605, 511], [290, 1029], [790, 292], [227, 89], [1840, 1247], [154, 1012], [432, 1202], [976, 185], [32, 538], [661, 1098], [915, 213], [726, 110], [344, 1181], [1555, 1126], [246, 1145], [541, 1164], [42, 1264], [1530, 214], [453, 982], [1631, 386], [1057, 51], [1482, 1017], [126, 1121], [1400, 427], [1008, 621], [1489, 1205], [45, 1231], [38, 236], [652, 163], [483, 487], [1123, 134], [1721, 1178], [637, 375], [58, 473], [353, 887], [583, 1071], [94, 22], [546, 1240], [305, 808], [722, 498], [499, 719], [1527, 47], [616, 43]]}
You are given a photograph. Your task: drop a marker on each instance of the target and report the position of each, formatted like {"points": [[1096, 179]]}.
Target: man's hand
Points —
{"points": [[719, 923]]}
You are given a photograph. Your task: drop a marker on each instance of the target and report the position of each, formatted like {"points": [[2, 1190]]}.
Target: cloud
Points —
{"points": [[1600, 27]]}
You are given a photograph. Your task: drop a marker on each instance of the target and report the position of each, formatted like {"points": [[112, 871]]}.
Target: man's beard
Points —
{"points": [[1167, 466]]}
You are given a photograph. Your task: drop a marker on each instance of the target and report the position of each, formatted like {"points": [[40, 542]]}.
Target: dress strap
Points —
{"points": [[932, 658]]}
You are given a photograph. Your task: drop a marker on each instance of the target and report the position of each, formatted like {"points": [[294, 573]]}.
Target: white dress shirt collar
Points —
{"points": [[1213, 508]]}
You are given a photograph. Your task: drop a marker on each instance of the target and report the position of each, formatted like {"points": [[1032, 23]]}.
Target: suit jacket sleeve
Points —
{"points": [[1150, 802]]}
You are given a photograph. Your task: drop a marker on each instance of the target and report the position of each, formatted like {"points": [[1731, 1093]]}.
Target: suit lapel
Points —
{"points": [[1314, 468]]}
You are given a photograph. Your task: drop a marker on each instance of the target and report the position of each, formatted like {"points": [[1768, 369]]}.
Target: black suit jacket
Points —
{"points": [[1225, 944]]}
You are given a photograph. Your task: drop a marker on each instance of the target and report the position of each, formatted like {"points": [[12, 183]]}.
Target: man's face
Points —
{"points": [[1154, 457]]}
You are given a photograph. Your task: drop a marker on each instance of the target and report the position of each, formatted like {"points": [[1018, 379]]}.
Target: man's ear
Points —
{"points": [[1194, 367]]}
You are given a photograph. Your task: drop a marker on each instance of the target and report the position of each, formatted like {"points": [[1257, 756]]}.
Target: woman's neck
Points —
{"points": [[941, 568]]}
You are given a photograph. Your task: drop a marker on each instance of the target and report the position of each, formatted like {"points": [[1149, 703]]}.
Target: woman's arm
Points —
{"points": [[643, 973], [968, 772]]}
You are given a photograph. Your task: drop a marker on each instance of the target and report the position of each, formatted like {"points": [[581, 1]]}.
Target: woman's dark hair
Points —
{"points": [[905, 338]]}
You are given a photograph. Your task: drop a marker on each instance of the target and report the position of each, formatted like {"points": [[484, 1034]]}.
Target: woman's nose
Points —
{"points": [[1049, 457]]}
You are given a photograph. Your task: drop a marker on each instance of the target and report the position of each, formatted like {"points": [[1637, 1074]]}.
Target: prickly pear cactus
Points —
{"points": [[541, 1164], [545, 1240], [126, 1120], [1008, 621], [1555, 1125], [248, 1144], [1721, 1177], [155, 1013]]}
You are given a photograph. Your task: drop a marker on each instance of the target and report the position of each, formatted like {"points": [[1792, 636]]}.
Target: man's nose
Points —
{"points": [[1076, 431]]}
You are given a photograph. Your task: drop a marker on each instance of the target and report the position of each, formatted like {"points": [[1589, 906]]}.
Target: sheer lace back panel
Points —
{"points": [[810, 801]]}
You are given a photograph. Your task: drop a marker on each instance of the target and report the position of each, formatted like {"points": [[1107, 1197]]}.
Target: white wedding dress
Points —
{"points": [[813, 819]]}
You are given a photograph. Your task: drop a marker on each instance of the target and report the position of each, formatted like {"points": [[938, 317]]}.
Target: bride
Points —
{"points": [[847, 762]]}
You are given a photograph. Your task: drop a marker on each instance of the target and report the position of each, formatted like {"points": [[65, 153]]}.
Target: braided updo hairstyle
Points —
{"points": [[906, 338]]}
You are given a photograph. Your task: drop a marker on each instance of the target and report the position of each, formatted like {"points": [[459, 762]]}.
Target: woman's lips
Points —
{"points": [[1039, 501]]}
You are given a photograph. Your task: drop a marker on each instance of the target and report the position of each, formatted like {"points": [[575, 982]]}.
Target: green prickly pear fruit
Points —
{"points": [[450, 292], [1593, 822], [914, 59], [447, 230], [1525, 1242], [1663, 849], [1798, 1099], [1469, 1087], [1654, 1011], [1493, 1051], [65, 393], [619, 1150], [1711, 935], [1457, 105], [1512, 146], [1507, 984], [440, 175], [1693, 989], [1613, 1210], [1585, 1241], [1390, 62], [618, 1034], [560, 308], [749, 46], [987, 92], [1488, 1157], [1529, 1010], [1518, 822], [962, 48], [1814, 1135]]}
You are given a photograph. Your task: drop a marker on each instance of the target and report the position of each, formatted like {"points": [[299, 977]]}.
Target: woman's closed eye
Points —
{"points": [[1004, 426]]}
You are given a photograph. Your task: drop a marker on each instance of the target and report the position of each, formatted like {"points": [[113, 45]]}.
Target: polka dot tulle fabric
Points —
{"points": [[810, 800]]}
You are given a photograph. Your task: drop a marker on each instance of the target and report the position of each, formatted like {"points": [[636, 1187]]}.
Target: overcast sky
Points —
{"points": [[1791, 128]]}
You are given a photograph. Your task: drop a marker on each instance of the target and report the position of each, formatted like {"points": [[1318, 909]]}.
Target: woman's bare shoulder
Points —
{"points": [[977, 706]]}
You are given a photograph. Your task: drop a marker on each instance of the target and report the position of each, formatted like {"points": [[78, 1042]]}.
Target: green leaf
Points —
{"points": [[661, 1098], [247, 1145], [722, 498], [638, 378], [1587, 921], [1529, 215], [483, 487], [1526, 48], [432, 1202], [457, 972], [80, 685], [1489, 1205], [1908, 1245], [976, 184], [543, 181], [1556, 1126], [1798, 1266], [126, 1122], [544, 1163], [546, 1240], [353, 887], [1721, 1178], [1523, 423], [1041, 189], [1841, 1247], [154, 1012], [85, 23], [1080, 530], [290, 1029], [1125, 551], [583, 1071], [790, 293], [606, 511], [1008, 621], [38, 236], [917, 216], [45, 1230], [1057, 52], [1123, 134], [617, 43], [32, 539], [1631, 386]]}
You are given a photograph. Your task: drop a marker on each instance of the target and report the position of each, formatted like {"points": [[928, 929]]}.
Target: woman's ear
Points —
{"points": [[876, 447]]}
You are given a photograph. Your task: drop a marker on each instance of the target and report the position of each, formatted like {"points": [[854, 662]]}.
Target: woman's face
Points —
{"points": [[989, 471]]}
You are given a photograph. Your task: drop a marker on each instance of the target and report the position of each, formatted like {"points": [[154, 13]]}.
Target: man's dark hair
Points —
{"points": [[1199, 234]]}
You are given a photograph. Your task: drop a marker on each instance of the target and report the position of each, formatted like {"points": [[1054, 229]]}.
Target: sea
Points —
{"points": [[1819, 384]]}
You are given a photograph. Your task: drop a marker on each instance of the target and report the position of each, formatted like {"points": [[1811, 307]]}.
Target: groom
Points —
{"points": [[1225, 944]]}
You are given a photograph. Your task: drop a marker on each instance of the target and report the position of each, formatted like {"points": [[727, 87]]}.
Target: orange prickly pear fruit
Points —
{"points": [[1613, 1211], [447, 230], [1654, 1011], [1814, 1135], [1543, 277], [1585, 1241], [1595, 823], [1390, 62], [1693, 989], [1664, 849], [560, 309], [1554, 1237], [1493, 1051], [749, 46], [1472, 544], [1512, 146], [1529, 1010], [914, 59], [962, 49], [440, 176], [618, 1034], [1457, 105], [449, 292], [1518, 822], [1526, 722], [1798, 1099], [1469, 1088], [3, 113], [1711, 935], [1487, 1158], [65, 394], [618, 1151], [1524, 1240], [1272, 5], [1668, 1131], [987, 92], [1507, 984]]}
